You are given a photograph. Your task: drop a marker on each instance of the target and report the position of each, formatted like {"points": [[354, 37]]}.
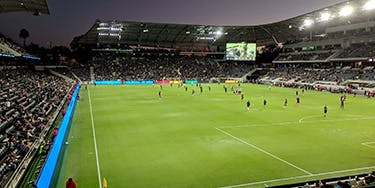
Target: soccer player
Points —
{"points": [[159, 94], [342, 100], [264, 103], [298, 100], [225, 89], [303, 91], [325, 110], [248, 104], [193, 92], [186, 88], [242, 97], [286, 102], [209, 88], [296, 93], [201, 88]]}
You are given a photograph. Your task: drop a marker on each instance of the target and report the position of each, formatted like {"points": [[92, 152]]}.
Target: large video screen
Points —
{"points": [[241, 51]]}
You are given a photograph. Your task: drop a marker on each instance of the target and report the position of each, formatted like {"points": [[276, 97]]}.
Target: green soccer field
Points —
{"points": [[212, 140]]}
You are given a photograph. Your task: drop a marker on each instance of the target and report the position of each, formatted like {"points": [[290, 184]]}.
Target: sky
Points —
{"points": [[70, 18]]}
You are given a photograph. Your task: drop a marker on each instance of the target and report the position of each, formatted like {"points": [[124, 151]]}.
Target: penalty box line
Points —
{"points": [[94, 135], [300, 177], [264, 151]]}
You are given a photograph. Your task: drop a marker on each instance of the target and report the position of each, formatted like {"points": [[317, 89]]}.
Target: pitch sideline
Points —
{"points": [[94, 135]]}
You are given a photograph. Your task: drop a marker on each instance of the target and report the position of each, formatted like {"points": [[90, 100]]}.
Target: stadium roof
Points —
{"points": [[171, 35], [37, 7]]}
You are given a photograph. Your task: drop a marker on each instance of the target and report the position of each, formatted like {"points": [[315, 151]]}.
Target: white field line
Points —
{"points": [[295, 122], [264, 151], [300, 177], [368, 144], [94, 135]]}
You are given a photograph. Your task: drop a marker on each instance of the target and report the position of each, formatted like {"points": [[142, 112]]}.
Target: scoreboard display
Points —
{"points": [[241, 51]]}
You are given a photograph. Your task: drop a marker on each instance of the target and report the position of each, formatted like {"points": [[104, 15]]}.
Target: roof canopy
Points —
{"points": [[37, 7]]}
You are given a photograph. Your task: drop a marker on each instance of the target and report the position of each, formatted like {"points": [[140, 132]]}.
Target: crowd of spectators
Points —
{"points": [[305, 56], [359, 50], [356, 182], [28, 99], [298, 73], [203, 69]]}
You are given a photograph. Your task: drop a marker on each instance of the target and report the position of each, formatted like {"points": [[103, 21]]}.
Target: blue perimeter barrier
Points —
{"points": [[107, 82], [139, 82], [45, 178]]}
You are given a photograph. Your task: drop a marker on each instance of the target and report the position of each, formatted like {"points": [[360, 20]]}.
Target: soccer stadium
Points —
{"points": [[144, 104]]}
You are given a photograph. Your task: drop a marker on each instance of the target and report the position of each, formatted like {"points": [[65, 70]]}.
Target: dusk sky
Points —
{"points": [[70, 18]]}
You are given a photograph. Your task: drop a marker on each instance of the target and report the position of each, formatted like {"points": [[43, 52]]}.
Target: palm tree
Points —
{"points": [[24, 34]]}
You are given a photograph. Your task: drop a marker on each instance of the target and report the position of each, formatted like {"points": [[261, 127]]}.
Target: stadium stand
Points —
{"points": [[108, 67], [28, 99]]}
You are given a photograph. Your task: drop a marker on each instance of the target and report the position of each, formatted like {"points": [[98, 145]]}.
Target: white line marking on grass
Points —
{"points": [[368, 144], [299, 177], [94, 135], [309, 117], [295, 122], [264, 151]]}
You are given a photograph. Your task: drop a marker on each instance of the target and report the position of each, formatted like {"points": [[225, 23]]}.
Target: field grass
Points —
{"points": [[212, 140]]}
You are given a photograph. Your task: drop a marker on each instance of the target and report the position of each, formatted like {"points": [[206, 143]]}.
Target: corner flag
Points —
{"points": [[104, 183]]}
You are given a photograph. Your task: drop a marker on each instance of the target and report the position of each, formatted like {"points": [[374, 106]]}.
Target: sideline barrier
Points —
{"points": [[191, 81], [162, 81], [139, 82], [175, 82], [46, 176], [107, 82], [231, 82]]}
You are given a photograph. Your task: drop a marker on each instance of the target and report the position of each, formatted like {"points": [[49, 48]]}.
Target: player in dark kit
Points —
{"points": [[193, 92], [298, 100], [286, 102], [264, 103], [242, 97], [225, 89], [248, 104], [209, 88], [201, 88], [342, 100], [325, 110], [296, 93], [159, 94]]}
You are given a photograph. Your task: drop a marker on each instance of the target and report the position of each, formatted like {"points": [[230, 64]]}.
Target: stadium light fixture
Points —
{"points": [[346, 11], [370, 5], [325, 16], [219, 33], [308, 22]]}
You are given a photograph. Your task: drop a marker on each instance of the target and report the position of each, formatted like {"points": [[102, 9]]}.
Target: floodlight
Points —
{"points": [[308, 22], [370, 5], [346, 11], [325, 16], [219, 33]]}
